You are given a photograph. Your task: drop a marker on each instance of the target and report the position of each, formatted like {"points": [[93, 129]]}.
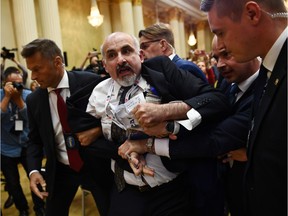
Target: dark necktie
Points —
{"points": [[234, 90], [74, 158], [119, 136], [260, 88]]}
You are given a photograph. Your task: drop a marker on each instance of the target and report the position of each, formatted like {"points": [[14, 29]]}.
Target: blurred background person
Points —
{"points": [[14, 134], [8, 54], [34, 85], [95, 64], [207, 71]]}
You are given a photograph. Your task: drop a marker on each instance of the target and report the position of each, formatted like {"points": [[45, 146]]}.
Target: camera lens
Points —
{"points": [[18, 86]]}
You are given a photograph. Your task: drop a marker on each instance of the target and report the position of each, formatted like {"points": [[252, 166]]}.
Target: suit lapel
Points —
{"points": [[248, 92], [278, 74], [72, 83], [175, 59], [158, 81], [43, 114]]}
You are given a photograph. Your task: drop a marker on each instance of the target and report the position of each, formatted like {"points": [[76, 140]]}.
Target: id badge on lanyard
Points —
{"points": [[18, 122]]}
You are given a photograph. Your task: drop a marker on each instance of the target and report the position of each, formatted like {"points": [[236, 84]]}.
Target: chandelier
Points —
{"points": [[192, 40], [95, 18]]}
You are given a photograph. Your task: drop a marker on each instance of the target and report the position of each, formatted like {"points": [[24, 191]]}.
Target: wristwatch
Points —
{"points": [[149, 144], [172, 127]]}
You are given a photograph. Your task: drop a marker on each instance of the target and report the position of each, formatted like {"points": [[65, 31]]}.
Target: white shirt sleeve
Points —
{"points": [[194, 119], [162, 147]]}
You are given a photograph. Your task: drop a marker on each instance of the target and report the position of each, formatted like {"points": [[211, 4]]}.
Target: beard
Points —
{"points": [[128, 80]]}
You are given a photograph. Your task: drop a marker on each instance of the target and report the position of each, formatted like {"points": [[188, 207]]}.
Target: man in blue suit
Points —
{"points": [[158, 40]]}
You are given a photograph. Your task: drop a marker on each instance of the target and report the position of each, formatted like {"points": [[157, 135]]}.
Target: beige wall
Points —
{"points": [[78, 36], [7, 33]]}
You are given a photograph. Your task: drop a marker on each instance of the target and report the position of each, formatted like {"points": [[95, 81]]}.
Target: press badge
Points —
{"points": [[18, 125]]}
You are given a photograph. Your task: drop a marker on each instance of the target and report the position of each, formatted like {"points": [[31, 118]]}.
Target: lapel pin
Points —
{"points": [[276, 82], [269, 74]]}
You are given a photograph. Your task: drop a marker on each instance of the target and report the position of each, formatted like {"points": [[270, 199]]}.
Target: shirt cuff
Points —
{"points": [[161, 147], [33, 171], [194, 119]]}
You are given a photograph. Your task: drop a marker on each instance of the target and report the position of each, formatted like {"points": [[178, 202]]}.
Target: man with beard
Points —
{"points": [[157, 187]]}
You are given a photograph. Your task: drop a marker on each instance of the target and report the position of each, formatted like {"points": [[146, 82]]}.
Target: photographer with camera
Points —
{"points": [[8, 54], [14, 134], [95, 65]]}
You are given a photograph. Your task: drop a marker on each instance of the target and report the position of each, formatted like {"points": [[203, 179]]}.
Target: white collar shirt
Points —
{"points": [[243, 86], [272, 55], [107, 92], [58, 132]]}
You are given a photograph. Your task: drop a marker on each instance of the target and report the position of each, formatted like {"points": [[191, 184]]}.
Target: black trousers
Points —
{"points": [[9, 167], [234, 188], [98, 178], [66, 185], [169, 199]]}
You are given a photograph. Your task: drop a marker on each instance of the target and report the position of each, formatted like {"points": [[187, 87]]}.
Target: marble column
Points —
{"points": [[25, 23], [50, 21], [115, 16], [201, 35], [106, 27], [174, 23], [126, 14], [183, 53], [138, 16]]}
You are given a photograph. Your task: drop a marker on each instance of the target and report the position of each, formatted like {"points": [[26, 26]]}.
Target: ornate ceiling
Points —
{"points": [[160, 8]]}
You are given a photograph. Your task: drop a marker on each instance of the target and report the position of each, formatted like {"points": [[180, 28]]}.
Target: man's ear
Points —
{"points": [[58, 61], [103, 63], [164, 45], [253, 11], [141, 56]]}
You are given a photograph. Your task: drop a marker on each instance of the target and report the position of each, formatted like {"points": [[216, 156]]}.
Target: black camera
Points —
{"points": [[8, 53], [18, 86]]}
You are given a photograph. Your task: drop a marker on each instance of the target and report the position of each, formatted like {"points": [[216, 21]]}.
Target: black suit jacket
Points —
{"points": [[198, 150], [173, 83], [266, 174], [210, 141], [41, 133]]}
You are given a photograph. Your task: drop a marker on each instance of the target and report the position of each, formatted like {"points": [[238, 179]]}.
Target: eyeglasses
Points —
{"points": [[146, 44]]}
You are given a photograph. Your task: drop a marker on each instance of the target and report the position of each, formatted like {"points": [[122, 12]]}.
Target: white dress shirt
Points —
{"points": [[58, 133], [103, 96], [269, 60]]}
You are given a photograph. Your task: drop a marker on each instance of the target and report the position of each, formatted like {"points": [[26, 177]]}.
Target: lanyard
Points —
{"points": [[128, 95], [14, 116]]}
